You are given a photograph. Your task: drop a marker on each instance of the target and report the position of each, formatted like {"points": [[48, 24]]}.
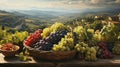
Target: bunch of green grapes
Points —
{"points": [[97, 36], [14, 38], [116, 48], [55, 27], [90, 54], [58, 27], [90, 33], [21, 35], [80, 33], [46, 32], [86, 52], [66, 43], [8, 38], [110, 32], [81, 47]]}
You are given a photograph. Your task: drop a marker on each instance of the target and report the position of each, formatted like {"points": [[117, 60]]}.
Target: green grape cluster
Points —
{"points": [[19, 36], [90, 33], [116, 48], [86, 52], [81, 47], [98, 37], [108, 33], [24, 56], [80, 33], [90, 54], [55, 27], [46, 32], [66, 43], [16, 38]]}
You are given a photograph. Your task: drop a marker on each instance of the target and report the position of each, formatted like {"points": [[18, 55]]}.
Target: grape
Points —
{"points": [[116, 48], [110, 46], [66, 43], [86, 52], [103, 51], [16, 38], [57, 27], [19, 36], [47, 46], [54, 28], [54, 38], [98, 37], [46, 32], [89, 34], [33, 38], [109, 33], [48, 42], [91, 54], [81, 47], [80, 33]]}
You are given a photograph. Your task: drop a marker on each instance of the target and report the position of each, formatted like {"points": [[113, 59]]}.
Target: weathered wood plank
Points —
{"points": [[69, 63]]}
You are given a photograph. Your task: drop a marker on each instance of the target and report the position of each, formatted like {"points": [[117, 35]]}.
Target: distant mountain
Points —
{"points": [[26, 19], [19, 21], [10, 19], [53, 16], [43, 15]]}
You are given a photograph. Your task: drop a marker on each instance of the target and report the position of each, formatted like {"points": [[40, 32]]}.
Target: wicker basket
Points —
{"points": [[8, 53], [51, 55]]}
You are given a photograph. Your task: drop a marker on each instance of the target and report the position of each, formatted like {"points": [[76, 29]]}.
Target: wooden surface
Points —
{"points": [[15, 62]]}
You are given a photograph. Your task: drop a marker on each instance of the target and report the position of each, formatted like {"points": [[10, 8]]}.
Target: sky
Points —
{"points": [[58, 4]]}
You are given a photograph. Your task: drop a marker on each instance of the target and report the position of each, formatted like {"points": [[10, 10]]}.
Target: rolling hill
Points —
{"points": [[34, 19]]}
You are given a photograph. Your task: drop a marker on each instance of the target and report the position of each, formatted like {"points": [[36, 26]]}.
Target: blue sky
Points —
{"points": [[58, 4]]}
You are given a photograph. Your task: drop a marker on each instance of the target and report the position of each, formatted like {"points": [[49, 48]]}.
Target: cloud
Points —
{"points": [[96, 1], [102, 1], [18, 4], [108, 4], [117, 1], [27, 4], [59, 4]]}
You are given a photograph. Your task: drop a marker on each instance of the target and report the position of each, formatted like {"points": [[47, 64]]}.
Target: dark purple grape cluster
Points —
{"points": [[48, 42], [103, 51], [110, 46], [54, 38], [43, 45]]}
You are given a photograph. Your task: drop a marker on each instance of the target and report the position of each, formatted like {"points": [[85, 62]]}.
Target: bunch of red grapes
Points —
{"points": [[33, 38], [103, 51]]}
